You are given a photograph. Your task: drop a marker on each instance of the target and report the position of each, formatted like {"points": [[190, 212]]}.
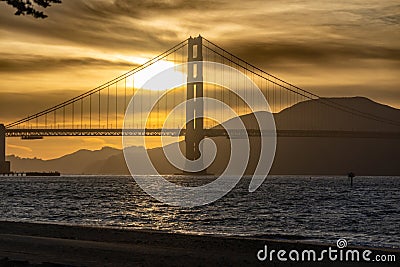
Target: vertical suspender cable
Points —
{"points": [[125, 96], [81, 113], [116, 105], [64, 117], [108, 104], [90, 111], [133, 108], [99, 107], [222, 112]]}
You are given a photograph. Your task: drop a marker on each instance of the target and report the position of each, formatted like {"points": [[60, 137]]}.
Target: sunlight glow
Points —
{"points": [[146, 74]]}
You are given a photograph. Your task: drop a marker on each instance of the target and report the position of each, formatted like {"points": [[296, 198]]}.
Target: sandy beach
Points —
{"points": [[28, 244]]}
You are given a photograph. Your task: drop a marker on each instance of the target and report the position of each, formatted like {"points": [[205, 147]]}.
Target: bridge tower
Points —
{"points": [[194, 127], [4, 165]]}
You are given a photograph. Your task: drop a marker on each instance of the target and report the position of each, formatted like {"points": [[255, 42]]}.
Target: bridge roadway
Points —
{"points": [[214, 132]]}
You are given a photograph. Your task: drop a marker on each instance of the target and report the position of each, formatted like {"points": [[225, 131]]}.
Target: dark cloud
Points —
{"points": [[127, 25], [90, 24], [389, 15], [327, 54], [392, 19], [142, 9], [26, 63]]}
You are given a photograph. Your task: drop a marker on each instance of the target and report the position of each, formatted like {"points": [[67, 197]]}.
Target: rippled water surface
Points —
{"points": [[319, 209]]}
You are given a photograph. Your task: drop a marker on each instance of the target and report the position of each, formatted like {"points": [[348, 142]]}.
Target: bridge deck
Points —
{"points": [[40, 133]]}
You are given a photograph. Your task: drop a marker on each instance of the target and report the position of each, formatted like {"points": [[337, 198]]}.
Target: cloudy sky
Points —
{"points": [[332, 48]]}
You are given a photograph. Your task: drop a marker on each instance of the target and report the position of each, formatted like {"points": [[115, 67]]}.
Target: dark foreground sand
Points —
{"points": [[26, 244]]}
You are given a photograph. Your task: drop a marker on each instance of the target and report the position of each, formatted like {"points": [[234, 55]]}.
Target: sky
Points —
{"points": [[332, 48]]}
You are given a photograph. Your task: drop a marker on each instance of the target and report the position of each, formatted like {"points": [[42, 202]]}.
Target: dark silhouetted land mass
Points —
{"points": [[28, 244], [294, 155]]}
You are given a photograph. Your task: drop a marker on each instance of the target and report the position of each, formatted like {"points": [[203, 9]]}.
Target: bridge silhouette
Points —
{"points": [[100, 111]]}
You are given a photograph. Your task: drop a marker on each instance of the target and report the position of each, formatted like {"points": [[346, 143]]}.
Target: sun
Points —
{"points": [[139, 79]]}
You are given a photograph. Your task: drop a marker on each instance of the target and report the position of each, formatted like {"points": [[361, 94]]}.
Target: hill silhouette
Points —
{"points": [[294, 155], [316, 113]]}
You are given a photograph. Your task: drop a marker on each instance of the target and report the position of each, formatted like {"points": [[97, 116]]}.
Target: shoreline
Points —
{"points": [[72, 245], [264, 237]]}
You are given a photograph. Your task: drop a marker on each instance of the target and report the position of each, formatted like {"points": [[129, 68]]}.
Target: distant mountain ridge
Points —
{"points": [[293, 156], [75, 163]]}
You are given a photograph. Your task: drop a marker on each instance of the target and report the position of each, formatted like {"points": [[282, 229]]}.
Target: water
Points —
{"points": [[321, 209]]}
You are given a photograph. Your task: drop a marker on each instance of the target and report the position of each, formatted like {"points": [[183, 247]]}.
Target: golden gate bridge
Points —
{"points": [[101, 110]]}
